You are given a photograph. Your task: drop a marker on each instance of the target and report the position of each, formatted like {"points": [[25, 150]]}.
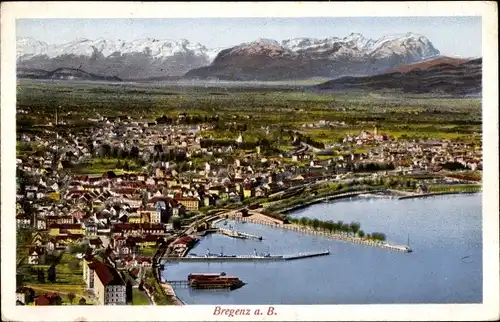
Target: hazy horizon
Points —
{"points": [[228, 32]]}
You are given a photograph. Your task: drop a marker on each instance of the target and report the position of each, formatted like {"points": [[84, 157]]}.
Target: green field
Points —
{"points": [[265, 113], [100, 165], [139, 297]]}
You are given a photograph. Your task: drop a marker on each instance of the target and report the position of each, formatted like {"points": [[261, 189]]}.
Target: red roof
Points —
{"points": [[159, 198], [46, 299], [184, 240], [135, 184], [125, 191], [107, 274]]}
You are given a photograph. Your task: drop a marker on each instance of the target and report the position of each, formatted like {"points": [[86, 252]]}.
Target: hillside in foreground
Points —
{"points": [[441, 78]]}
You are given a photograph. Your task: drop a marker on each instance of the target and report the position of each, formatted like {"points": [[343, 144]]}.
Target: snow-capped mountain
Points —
{"points": [[261, 59], [333, 57], [356, 46], [155, 48], [142, 58]]}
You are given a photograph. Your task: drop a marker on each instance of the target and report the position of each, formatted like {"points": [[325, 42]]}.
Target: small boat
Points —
{"points": [[225, 223]]}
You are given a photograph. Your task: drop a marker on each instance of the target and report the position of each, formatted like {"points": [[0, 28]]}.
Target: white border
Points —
{"points": [[489, 310]]}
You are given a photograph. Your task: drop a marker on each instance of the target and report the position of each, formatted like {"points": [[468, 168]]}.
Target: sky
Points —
{"points": [[453, 36]]}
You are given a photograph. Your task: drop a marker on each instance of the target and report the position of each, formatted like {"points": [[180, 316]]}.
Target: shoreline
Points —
{"points": [[170, 291], [371, 192], [327, 198], [433, 194]]}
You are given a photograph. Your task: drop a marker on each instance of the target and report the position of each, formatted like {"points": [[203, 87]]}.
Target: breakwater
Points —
{"points": [[337, 236]]}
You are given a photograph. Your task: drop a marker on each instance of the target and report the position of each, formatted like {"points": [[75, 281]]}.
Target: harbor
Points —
{"points": [[348, 263]]}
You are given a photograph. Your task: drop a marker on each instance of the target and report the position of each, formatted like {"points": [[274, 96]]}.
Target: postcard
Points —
{"points": [[249, 161]]}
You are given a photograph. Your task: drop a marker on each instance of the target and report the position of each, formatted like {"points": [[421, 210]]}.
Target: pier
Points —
{"points": [[237, 234], [222, 259], [180, 283], [245, 258], [305, 255]]}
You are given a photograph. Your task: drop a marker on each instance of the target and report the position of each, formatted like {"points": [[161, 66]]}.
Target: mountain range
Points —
{"points": [[263, 60]]}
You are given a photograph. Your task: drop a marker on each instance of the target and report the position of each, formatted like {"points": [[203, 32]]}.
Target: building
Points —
{"points": [[65, 229], [23, 221], [24, 295], [191, 204], [106, 283]]}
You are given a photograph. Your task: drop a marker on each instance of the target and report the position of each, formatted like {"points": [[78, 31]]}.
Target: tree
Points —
{"points": [[361, 233], [56, 300], [40, 276], [104, 150], [51, 273], [330, 226], [355, 227], [128, 291], [114, 151], [315, 223], [82, 301], [176, 223], [304, 221], [134, 152], [71, 297]]}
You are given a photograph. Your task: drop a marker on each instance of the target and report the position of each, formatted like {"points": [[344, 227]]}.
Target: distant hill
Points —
{"points": [[462, 79], [425, 64], [63, 73]]}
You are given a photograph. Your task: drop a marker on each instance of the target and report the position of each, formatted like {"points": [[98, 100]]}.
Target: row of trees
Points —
{"points": [[306, 139], [353, 228], [107, 151], [51, 274], [168, 155], [187, 119]]}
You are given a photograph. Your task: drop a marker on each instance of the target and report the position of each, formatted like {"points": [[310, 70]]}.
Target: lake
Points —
{"points": [[445, 266]]}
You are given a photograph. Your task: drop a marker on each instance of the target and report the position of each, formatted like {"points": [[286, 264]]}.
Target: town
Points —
{"points": [[97, 208]]}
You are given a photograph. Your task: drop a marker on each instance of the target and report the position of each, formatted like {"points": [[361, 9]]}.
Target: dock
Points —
{"points": [[245, 258], [179, 284], [222, 259], [237, 234], [305, 255]]}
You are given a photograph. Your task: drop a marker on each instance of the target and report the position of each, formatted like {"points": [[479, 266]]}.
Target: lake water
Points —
{"points": [[445, 266]]}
